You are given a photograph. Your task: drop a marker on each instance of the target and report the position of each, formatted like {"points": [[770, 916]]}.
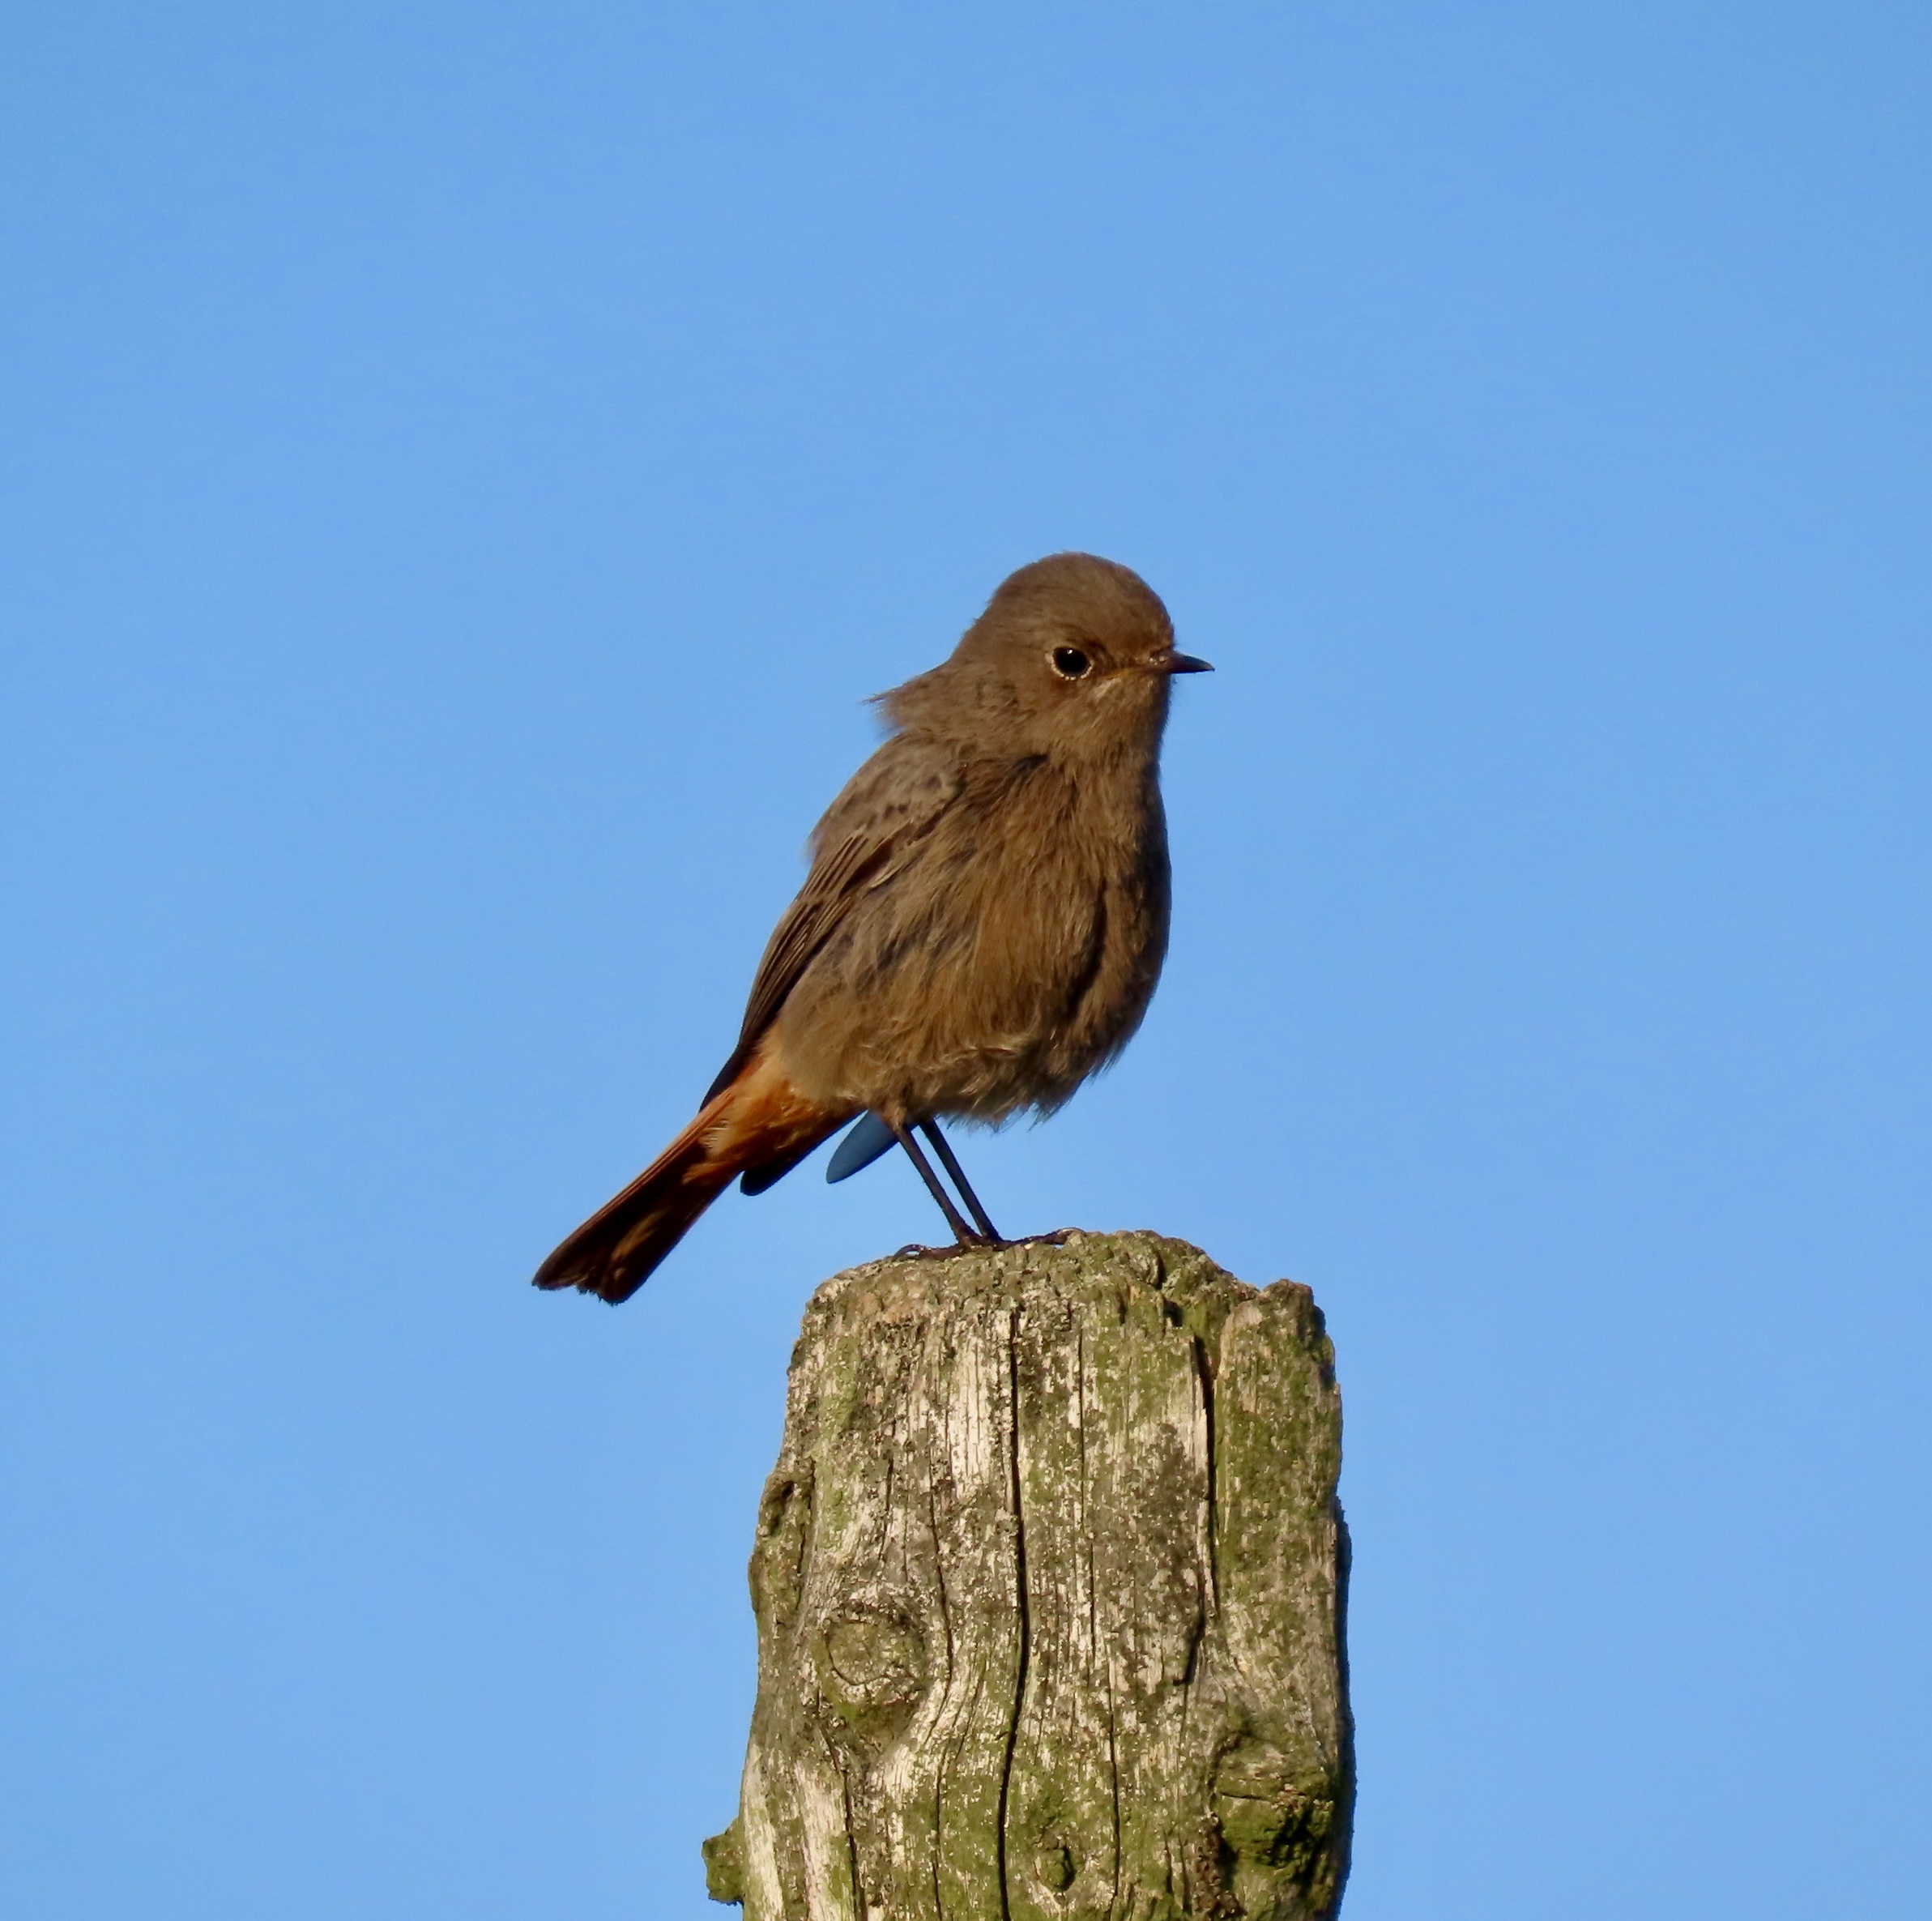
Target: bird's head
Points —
{"points": [[1072, 659]]}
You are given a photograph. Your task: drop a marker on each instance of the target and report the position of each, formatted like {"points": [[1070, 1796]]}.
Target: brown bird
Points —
{"points": [[983, 925]]}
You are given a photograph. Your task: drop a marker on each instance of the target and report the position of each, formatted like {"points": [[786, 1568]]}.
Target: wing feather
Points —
{"points": [[867, 833]]}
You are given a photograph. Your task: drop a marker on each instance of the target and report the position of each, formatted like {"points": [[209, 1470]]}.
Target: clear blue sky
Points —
{"points": [[465, 467]]}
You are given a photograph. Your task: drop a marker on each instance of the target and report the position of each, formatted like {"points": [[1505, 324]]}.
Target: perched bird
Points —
{"points": [[983, 925]]}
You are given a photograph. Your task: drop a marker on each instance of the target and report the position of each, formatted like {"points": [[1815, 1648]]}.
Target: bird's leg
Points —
{"points": [[944, 1148], [955, 1220]]}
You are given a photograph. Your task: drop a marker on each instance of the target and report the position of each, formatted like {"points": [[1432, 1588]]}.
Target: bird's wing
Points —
{"points": [[867, 836]]}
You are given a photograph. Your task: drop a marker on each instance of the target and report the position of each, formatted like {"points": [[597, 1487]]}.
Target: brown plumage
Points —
{"points": [[983, 922]]}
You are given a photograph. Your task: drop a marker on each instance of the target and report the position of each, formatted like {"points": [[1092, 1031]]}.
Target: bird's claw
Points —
{"points": [[978, 1245]]}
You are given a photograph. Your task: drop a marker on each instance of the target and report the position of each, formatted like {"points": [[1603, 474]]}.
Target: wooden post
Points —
{"points": [[1049, 1582]]}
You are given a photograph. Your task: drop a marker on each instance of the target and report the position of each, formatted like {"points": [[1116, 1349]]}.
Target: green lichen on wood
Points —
{"points": [[724, 1866], [1049, 1586]]}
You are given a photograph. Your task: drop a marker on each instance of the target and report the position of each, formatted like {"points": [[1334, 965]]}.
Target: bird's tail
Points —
{"points": [[758, 1118]]}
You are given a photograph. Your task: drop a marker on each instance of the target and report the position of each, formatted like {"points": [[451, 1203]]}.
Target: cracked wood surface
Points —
{"points": [[1049, 1581]]}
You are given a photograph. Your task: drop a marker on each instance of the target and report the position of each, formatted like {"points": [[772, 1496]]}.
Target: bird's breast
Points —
{"points": [[1011, 953]]}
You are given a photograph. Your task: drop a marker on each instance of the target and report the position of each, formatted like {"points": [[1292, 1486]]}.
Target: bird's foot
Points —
{"points": [[917, 1251], [978, 1245]]}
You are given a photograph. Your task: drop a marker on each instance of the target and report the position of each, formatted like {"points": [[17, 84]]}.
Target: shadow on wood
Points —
{"points": [[1049, 1582]]}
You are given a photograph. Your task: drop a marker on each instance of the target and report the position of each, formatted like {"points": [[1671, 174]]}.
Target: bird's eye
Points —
{"points": [[1069, 663]]}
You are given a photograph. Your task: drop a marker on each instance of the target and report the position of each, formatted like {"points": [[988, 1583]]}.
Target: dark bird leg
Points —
{"points": [[943, 1149], [955, 1220]]}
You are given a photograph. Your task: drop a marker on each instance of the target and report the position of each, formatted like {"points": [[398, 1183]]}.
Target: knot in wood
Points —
{"points": [[869, 1657]]}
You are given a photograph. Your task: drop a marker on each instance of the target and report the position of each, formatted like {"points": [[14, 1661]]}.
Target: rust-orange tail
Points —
{"points": [[758, 1123]]}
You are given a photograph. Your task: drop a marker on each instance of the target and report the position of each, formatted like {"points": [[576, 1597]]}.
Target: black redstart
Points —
{"points": [[983, 923]]}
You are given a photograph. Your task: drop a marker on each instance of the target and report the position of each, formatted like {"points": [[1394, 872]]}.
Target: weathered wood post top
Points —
{"points": [[1049, 1580]]}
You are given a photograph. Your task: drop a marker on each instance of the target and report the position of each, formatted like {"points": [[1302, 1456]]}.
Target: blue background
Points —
{"points": [[464, 468]]}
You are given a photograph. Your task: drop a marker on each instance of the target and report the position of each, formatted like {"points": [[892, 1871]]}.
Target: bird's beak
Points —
{"points": [[1185, 663]]}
